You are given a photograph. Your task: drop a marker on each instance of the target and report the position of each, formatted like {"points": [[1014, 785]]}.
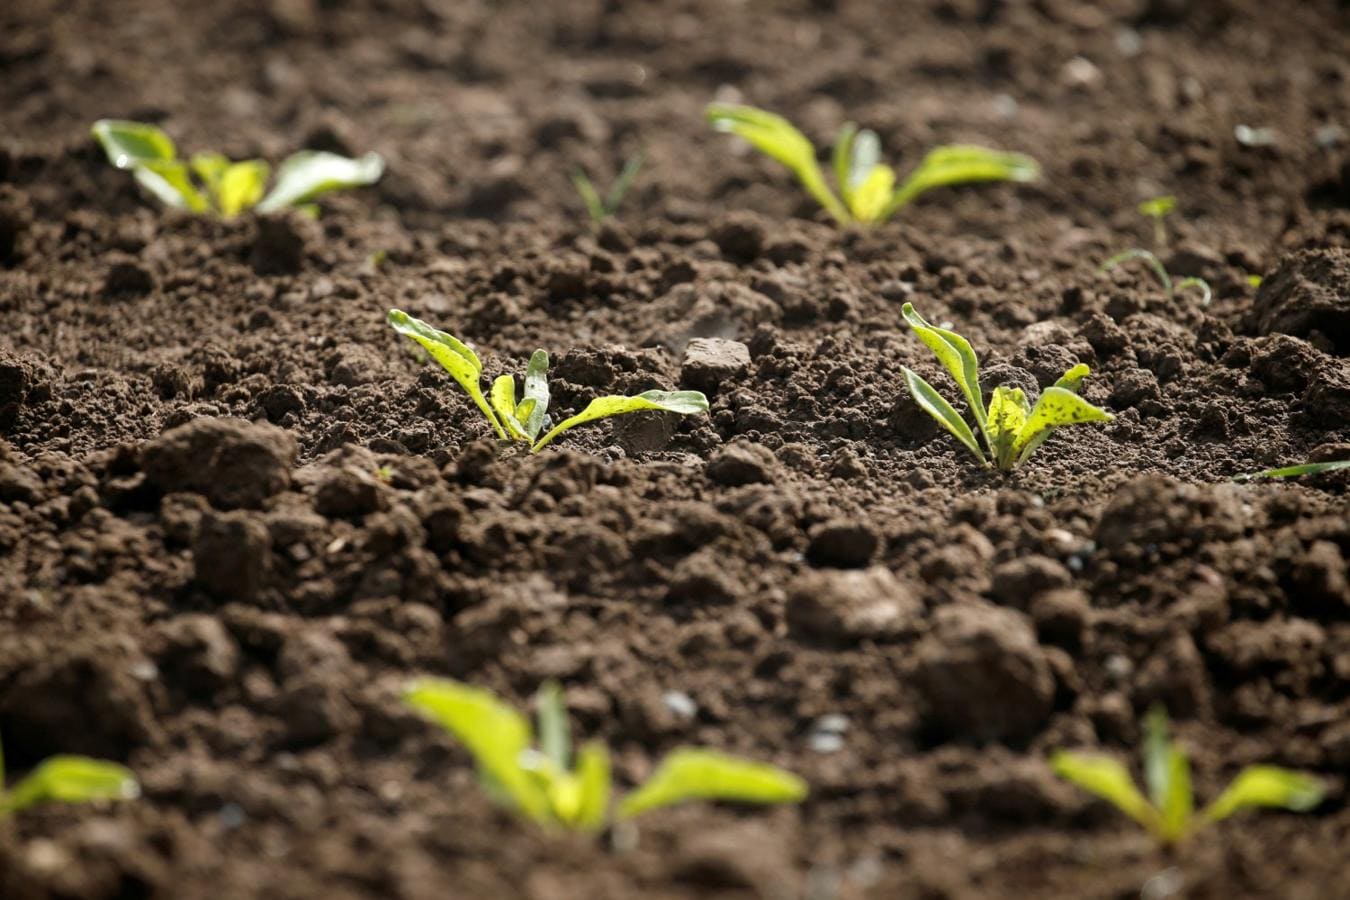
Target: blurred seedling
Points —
{"points": [[212, 183], [1157, 209], [868, 193], [601, 208], [1012, 427], [66, 779], [542, 782], [1168, 812], [1312, 468], [523, 420], [1169, 287]]}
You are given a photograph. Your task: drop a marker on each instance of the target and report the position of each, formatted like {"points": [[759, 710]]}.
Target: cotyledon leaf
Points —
{"points": [[961, 164], [933, 403], [594, 778], [682, 402], [1269, 786], [956, 356], [1109, 779], [454, 355], [306, 175], [170, 182], [689, 774], [1072, 380], [128, 144], [70, 779], [1055, 408]]}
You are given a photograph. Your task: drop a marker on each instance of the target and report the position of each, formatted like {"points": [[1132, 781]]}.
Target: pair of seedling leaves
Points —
{"points": [[545, 785], [225, 187], [1168, 812], [66, 779], [1011, 427], [524, 420], [868, 193]]}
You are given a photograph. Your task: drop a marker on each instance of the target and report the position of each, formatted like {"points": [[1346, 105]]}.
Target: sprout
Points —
{"points": [[545, 785], [1294, 471], [600, 209], [867, 186], [1158, 269], [210, 182], [1168, 812], [1012, 428], [523, 420], [67, 779], [1157, 209]]}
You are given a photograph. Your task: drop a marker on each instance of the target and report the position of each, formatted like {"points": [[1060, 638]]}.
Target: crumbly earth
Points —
{"points": [[237, 511]]}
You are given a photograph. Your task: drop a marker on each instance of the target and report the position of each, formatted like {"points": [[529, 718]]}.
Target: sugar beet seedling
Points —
{"points": [[1168, 812], [866, 185], [210, 182], [524, 420], [545, 785], [1011, 427], [1171, 288], [601, 208], [67, 779]]}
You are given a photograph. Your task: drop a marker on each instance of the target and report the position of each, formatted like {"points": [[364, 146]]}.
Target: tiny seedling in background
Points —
{"points": [[523, 420], [1012, 428], [1168, 812], [866, 185], [67, 779], [210, 182], [543, 782], [1172, 289], [599, 208], [1158, 209], [1316, 468]]}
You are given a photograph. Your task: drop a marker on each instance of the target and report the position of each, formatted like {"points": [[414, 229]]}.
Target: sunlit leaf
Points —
{"points": [[687, 775], [171, 184], [70, 779], [1199, 284], [683, 402], [1106, 778], [306, 175], [130, 143], [841, 160], [1008, 410], [1153, 263], [1055, 408], [595, 207], [956, 356], [1072, 380], [209, 169], [241, 186], [1157, 207], [502, 396], [869, 198], [593, 777], [933, 403], [1294, 471], [555, 735], [1168, 776], [1266, 786], [962, 164], [454, 355], [536, 395]]}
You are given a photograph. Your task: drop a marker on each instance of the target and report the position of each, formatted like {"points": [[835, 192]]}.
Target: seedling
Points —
{"points": [[212, 183], [67, 779], [545, 785], [1295, 471], [599, 208], [523, 420], [866, 185], [1012, 428], [1158, 209], [1168, 813], [1172, 289]]}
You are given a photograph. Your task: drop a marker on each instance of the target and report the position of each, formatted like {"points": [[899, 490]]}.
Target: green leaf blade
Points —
{"points": [[933, 403], [1294, 471], [536, 394], [171, 184], [241, 185], [71, 779], [1108, 779], [455, 356], [955, 164], [307, 175], [956, 356], [555, 735], [691, 774], [684, 403], [127, 144], [595, 779], [1153, 262], [1269, 787], [1056, 408]]}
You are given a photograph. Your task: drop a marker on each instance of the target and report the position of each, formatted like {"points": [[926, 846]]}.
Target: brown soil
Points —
{"points": [[204, 573]]}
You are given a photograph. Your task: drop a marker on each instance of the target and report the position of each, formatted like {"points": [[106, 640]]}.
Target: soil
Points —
{"points": [[237, 511]]}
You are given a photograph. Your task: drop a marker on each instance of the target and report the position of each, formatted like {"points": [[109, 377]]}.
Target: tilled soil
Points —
{"points": [[237, 511]]}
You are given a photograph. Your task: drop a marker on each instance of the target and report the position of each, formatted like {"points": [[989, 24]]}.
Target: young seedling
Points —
{"points": [[523, 420], [866, 185], [1168, 812], [599, 208], [1011, 427], [544, 784], [67, 779], [1294, 471], [1158, 209], [212, 183], [1171, 289]]}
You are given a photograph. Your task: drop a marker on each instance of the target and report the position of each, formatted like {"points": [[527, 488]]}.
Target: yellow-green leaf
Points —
{"points": [[933, 403], [956, 356], [502, 395], [171, 184], [594, 779], [1266, 786], [306, 175], [683, 402], [687, 775], [1055, 408], [962, 164], [1109, 779], [1157, 207], [1072, 380], [495, 734], [209, 169], [70, 779], [868, 200], [130, 143], [454, 355], [241, 185], [1008, 409]]}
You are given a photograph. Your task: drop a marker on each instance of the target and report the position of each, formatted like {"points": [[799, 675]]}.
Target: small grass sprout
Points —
{"points": [[601, 208], [1157, 209], [1312, 468], [212, 183], [67, 779], [1168, 812], [1012, 427], [1169, 287], [543, 782], [523, 420], [868, 193]]}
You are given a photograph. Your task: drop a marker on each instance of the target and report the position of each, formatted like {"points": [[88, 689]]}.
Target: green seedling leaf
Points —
{"points": [[594, 779], [495, 734], [622, 184], [933, 403], [1008, 409], [533, 409], [595, 207], [1153, 263], [1266, 786], [841, 159], [778, 139], [683, 402], [171, 184], [502, 396], [709, 775], [1072, 380], [70, 779], [956, 356], [209, 169], [962, 164], [454, 355], [1254, 281], [1295, 471], [1109, 779], [554, 734], [868, 200], [241, 185], [1055, 408], [1168, 776], [1157, 207], [307, 175], [1199, 284], [128, 144]]}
